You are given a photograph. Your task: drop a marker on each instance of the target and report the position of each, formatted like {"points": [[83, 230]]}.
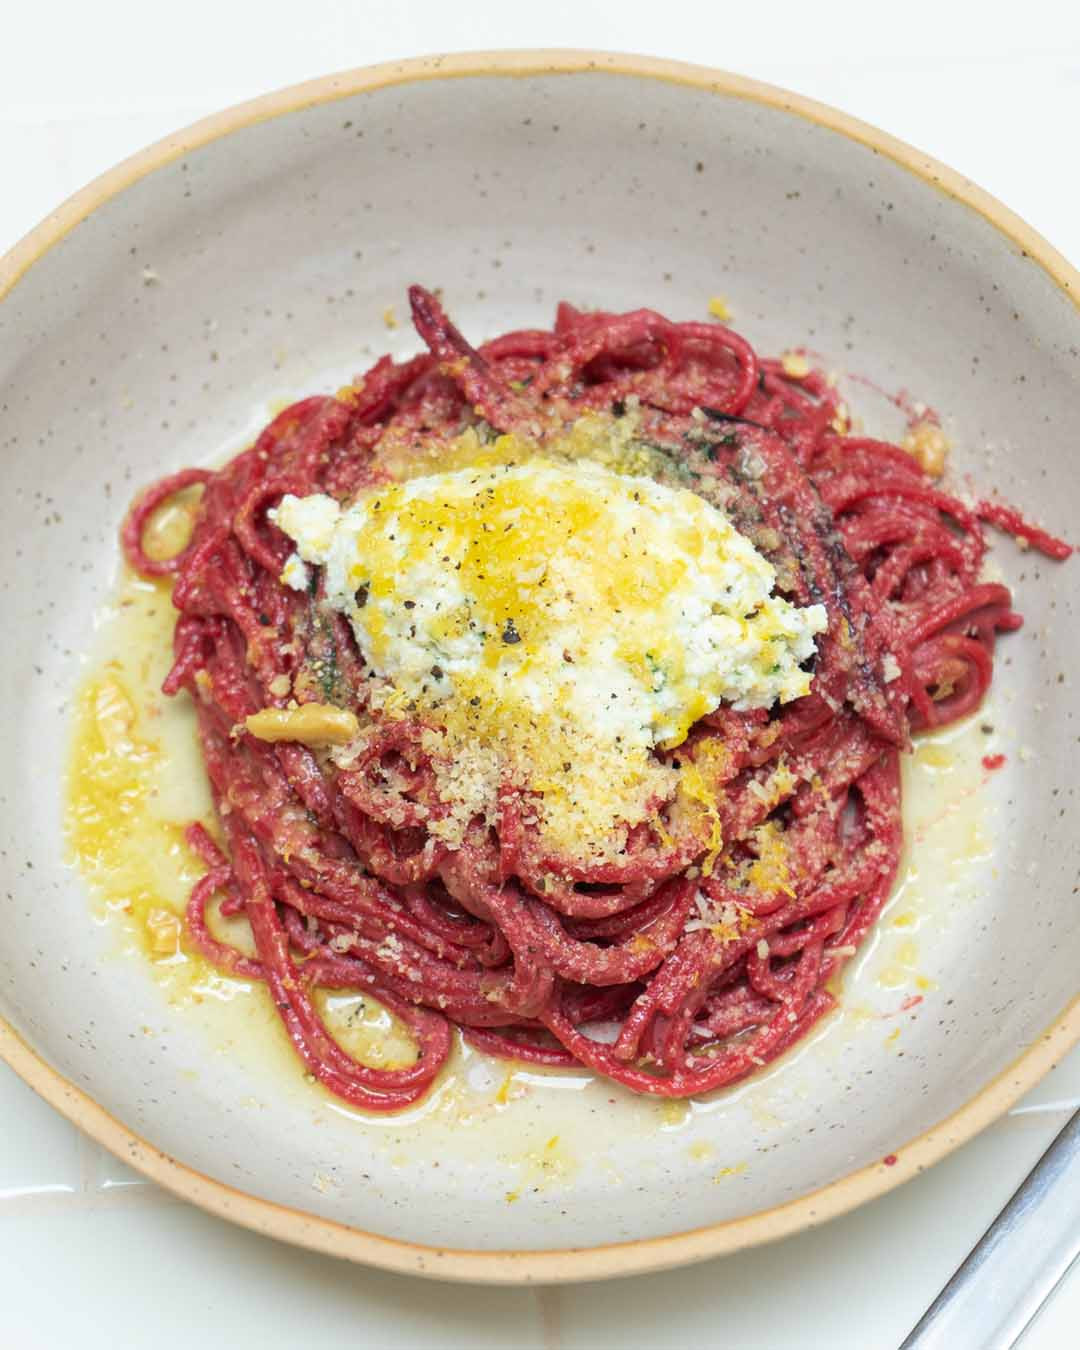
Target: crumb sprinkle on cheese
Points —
{"points": [[556, 616]]}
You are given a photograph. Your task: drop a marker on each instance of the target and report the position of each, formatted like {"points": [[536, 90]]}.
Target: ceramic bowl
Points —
{"points": [[158, 315]]}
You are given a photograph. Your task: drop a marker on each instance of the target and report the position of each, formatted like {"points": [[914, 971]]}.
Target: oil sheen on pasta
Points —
{"points": [[136, 780]]}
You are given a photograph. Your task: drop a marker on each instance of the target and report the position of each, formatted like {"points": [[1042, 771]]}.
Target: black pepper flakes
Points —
{"points": [[510, 634]]}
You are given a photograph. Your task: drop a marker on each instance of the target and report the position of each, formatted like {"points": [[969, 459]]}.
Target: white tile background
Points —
{"points": [[92, 1256]]}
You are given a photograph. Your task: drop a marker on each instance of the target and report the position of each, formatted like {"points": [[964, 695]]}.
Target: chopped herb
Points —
{"points": [[715, 415], [327, 669], [672, 458], [729, 439]]}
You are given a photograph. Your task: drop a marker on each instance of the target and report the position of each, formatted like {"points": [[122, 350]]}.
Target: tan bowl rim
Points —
{"points": [[568, 1264]]}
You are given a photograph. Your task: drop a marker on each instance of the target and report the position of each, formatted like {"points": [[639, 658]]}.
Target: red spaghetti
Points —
{"points": [[529, 954]]}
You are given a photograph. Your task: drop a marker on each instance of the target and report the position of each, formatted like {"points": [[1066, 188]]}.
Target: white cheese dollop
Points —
{"points": [[602, 613]]}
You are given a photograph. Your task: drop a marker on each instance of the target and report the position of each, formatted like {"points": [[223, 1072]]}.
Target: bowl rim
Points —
{"points": [[567, 1264]]}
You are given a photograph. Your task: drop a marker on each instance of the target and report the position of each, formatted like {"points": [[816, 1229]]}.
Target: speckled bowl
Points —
{"points": [[150, 322]]}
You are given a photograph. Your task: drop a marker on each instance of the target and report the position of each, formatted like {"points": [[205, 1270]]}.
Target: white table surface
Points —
{"points": [[91, 1255]]}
